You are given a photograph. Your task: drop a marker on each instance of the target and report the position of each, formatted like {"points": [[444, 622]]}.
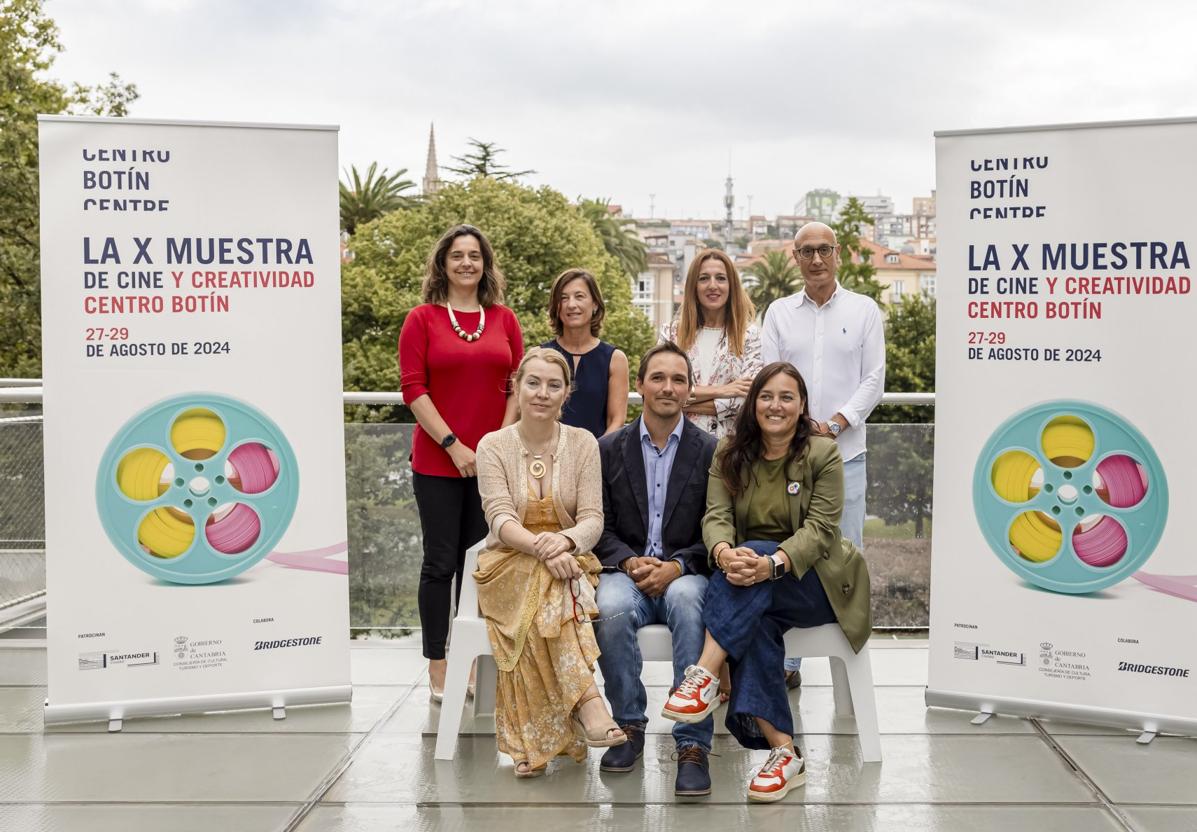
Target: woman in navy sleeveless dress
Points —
{"points": [[599, 402]]}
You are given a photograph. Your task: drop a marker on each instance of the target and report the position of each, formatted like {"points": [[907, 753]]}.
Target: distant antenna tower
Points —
{"points": [[652, 201], [729, 201]]}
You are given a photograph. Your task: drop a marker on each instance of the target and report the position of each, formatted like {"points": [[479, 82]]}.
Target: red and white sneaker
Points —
{"points": [[695, 698], [784, 770]]}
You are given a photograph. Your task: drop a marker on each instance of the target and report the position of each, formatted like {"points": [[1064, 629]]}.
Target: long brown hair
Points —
{"points": [[436, 280], [737, 315], [558, 292], [745, 446]]}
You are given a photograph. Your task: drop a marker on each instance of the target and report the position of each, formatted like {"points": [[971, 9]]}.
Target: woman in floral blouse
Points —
{"points": [[716, 328]]}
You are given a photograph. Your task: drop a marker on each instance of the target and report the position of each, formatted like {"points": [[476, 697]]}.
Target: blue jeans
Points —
{"points": [[750, 623], [624, 609], [853, 517], [855, 483]]}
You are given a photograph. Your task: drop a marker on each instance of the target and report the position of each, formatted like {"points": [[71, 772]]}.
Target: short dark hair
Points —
{"points": [[558, 291], [661, 349]]}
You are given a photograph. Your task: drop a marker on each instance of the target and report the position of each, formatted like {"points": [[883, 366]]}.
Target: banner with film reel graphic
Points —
{"points": [[1063, 583], [195, 497]]}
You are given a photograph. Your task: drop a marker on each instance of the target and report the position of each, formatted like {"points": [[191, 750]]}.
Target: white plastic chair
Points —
{"points": [[468, 641], [851, 673]]}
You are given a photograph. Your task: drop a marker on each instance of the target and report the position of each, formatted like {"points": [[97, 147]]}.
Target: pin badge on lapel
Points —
{"points": [[792, 488]]}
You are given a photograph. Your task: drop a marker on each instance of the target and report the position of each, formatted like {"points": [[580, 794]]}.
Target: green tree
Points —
{"points": [[109, 99], [384, 527], [901, 456], [856, 260], [775, 276], [536, 234], [901, 467], [619, 236], [483, 162], [909, 357], [368, 199], [28, 46]]}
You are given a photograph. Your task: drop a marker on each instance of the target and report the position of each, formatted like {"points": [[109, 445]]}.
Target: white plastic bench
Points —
{"points": [[851, 673]]}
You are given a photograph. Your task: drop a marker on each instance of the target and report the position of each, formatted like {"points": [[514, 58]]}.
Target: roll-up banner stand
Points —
{"points": [[194, 451], [1063, 570]]}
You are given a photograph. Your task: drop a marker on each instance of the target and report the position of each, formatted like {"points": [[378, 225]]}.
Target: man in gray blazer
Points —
{"points": [[654, 561]]}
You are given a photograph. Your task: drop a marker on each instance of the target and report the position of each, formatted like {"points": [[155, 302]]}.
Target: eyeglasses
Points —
{"points": [[579, 613], [808, 252]]}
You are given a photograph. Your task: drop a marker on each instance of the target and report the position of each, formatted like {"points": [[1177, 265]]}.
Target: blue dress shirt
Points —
{"points": [[657, 465]]}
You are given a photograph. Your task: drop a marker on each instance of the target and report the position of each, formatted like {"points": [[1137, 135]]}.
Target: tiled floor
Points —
{"points": [[369, 766]]}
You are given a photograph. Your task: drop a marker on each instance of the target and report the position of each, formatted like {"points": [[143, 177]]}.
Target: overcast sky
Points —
{"points": [[627, 99]]}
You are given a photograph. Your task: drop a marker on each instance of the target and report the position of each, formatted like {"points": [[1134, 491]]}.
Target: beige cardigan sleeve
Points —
{"points": [[588, 519], [493, 487]]}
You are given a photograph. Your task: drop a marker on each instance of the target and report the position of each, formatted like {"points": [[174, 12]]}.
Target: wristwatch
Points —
{"points": [[448, 440], [834, 427], [779, 567]]}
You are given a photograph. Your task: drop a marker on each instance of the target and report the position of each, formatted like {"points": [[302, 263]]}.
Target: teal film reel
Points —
{"points": [[197, 488], [1070, 496]]}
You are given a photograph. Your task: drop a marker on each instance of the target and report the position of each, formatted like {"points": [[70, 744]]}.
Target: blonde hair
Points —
{"points": [[737, 315], [550, 356]]}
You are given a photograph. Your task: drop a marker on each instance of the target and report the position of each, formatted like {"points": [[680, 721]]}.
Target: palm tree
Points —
{"points": [[776, 276], [619, 237], [366, 199], [483, 162]]}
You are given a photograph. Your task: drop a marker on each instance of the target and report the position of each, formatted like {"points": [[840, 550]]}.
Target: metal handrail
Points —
{"points": [[33, 395]]}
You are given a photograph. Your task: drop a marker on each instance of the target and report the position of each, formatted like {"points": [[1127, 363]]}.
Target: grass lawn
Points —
{"points": [[900, 571]]}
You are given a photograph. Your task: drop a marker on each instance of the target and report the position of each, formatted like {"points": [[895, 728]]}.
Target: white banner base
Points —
{"points": [[174, 706], [1131, 721]]}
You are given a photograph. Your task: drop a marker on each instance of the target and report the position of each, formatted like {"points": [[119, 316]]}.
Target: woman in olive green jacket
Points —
{"points": [[774, 498]]}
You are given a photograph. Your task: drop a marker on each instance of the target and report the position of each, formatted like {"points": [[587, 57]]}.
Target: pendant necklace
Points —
{"points": [[461, 333], [537, 468]]}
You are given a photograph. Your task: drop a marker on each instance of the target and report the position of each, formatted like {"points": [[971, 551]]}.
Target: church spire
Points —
{"points": [[432, 180]]}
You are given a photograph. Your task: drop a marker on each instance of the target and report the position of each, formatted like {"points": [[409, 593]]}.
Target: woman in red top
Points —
{"points": [[457, 353]]}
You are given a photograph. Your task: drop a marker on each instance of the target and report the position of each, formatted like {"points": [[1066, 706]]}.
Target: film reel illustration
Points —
{"points": [[197, 488], [1070, 496]]}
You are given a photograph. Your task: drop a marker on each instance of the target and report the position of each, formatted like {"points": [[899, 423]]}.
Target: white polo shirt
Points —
{"points": [[839, 348]]}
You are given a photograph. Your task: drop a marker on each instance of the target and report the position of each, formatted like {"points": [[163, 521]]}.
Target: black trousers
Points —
{"points": [[451, 520]]}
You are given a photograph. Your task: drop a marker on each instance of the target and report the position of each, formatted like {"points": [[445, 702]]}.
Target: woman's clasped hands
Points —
{"points": [[555, 551], [744, 567]]}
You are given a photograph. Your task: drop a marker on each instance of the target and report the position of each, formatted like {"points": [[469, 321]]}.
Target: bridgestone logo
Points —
{"points": [[1158, 670], [288, 642]]}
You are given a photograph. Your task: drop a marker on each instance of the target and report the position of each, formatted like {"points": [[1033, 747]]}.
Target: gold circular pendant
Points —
{"points": [[536, 469]]}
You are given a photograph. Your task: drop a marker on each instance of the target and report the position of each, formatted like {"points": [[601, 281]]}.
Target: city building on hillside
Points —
{"points": [[895, 231], [788, 224], [654, 289], [700, 229], [655, 239], [875, 206], [924, 206], [901, 274], [821, 204]]}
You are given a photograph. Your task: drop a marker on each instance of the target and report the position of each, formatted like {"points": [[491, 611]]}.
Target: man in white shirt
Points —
{"points": [[836, 339]]}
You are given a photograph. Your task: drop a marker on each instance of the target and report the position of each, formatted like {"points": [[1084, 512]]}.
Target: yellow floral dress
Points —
{"points": [[543, 641]]}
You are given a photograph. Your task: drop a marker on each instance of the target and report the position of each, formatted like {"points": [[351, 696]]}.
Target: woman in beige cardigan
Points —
{"points": [[541, 490]]}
